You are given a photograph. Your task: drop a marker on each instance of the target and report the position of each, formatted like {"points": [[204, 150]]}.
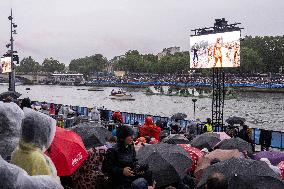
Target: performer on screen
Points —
{"points": [[195, 55], [217, 52]]}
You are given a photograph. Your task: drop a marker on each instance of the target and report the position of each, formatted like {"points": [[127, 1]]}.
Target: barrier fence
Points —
{"points": [[193, 84], [130, 118]]}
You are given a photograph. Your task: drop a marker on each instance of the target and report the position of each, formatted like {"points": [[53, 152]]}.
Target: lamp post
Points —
{"points": [[194, 101], [11, 53]]}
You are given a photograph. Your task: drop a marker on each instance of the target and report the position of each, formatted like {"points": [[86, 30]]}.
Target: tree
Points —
{"points": [[28, 65], [50, 65], [88, 65], [251, 62]]}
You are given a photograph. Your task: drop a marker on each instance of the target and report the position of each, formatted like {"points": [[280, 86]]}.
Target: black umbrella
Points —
{"points": [[92, 134], [12, 94], [235, 143], [235, 120], [176, 139], [248, 170], [179, 116], [168, 162], [206, 140], [255, 182]]}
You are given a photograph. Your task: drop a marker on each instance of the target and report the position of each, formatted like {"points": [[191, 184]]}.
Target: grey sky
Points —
{"points": [[68, 29]]}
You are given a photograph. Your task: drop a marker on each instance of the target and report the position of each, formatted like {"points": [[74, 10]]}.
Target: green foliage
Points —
{"points": [[133, 61], [50, 66], [88, 65], [28, 65], [269, 48], [251, 61]]}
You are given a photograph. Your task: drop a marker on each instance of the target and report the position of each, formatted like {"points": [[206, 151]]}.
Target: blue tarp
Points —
{"points": [[193, 84]]}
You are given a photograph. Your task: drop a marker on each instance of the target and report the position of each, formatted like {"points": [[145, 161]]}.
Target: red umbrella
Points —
{"points": [[281, 167], [67, 151], [194, 153]]}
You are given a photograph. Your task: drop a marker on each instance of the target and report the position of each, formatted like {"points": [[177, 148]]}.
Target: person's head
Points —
{"points": [[26, 102], [125, 134], [37, 129], [8, 99], [216, 180], [11, 116], [245, 127], [149, 120], [112, 139], [208, 120]]}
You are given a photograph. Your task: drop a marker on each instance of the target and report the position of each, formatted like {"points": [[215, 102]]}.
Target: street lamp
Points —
{"points": [[194, 101], [11, 53]]}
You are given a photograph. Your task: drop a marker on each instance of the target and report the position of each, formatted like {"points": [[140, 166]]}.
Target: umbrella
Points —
{"points": [[223, 135], [219, 154], [179, 116], [233, 167], [194, 153], [205, 140], [255, 182], [235, 143], [274, 157], [168, 162], [92, 134], [67, 151], [12, 94], [235, 120], [176, 139], [281, 167]]}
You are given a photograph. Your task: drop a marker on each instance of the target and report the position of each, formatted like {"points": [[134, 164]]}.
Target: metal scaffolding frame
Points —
{"points": [[218, 76], [218, 96]]}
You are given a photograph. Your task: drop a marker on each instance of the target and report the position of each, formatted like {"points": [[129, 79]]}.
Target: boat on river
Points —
{"points": [[96, 89], [120, 95], [187, 92]]}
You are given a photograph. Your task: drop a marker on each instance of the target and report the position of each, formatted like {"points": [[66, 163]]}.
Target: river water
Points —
{"points": [[262, 110]]}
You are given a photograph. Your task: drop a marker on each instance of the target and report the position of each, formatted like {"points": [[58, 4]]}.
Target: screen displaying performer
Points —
{"points": [[215, 50], [5, 65]]}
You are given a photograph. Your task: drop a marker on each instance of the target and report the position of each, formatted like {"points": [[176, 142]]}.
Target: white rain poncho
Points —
{"points": [[38, 129], [11, 116], [13, 177], [95, 114]]}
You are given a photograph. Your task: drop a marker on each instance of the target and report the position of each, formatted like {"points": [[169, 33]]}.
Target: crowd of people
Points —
{"points": [[27, 132], [190, 78]]}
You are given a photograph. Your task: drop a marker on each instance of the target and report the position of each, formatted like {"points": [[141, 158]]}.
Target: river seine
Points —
{"points": [[262, 110]]}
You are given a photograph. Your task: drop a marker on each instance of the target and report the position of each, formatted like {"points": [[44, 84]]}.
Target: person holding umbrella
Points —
{"points": [[120, 161]]}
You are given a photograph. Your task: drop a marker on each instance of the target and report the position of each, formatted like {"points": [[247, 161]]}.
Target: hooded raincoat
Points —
{"points": [[95, 114], [11, 116], [37, 133], [13, 177], [150, 129]]}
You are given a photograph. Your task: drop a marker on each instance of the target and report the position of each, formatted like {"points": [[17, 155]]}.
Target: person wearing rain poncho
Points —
{"points": [[13, 177], [37, 134], [11, 116], [95, 114]]}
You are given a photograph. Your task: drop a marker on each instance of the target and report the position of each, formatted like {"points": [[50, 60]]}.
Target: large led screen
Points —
{"points": [[5, 65], [215, 50]]}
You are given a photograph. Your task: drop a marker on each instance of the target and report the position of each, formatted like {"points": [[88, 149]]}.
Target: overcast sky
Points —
{"points": [[69, 29]]}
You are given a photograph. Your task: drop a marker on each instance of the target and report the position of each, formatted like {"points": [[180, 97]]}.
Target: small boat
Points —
{"points": [[96, 89], [120, 95]]}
